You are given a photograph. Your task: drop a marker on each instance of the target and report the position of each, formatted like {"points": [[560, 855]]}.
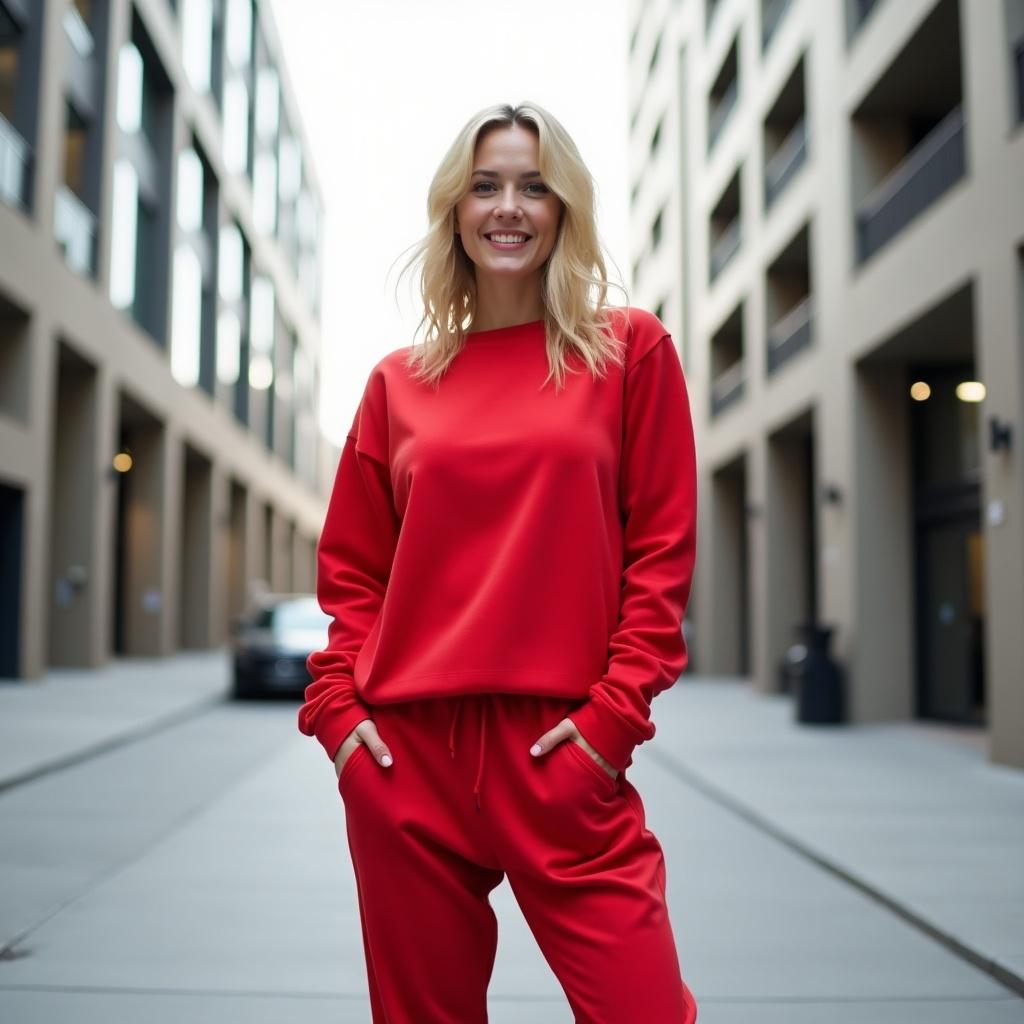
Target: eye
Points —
{"points": [[542, 189]]}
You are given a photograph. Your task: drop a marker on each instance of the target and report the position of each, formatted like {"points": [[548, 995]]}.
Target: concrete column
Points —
{"points": [[882, 568], [1000, 361], [38, 482], [758, 599]]}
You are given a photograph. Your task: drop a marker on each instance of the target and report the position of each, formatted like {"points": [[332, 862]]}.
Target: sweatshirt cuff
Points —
{"points": [[606, 732], [332, 728]]}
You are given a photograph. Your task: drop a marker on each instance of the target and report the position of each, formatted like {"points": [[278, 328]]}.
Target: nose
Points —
{"points": [[508, 205]]}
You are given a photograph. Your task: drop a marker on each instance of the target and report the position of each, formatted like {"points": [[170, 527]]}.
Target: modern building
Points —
{"points": [[160, 285], [828, 213]]}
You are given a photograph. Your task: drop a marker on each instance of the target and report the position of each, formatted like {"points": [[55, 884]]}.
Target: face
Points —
{"points": [[508, 195]]}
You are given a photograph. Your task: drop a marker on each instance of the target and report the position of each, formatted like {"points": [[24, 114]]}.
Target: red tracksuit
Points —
{"points": [[497, 557]]}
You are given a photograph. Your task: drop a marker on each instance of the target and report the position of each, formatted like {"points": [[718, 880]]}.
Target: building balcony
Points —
{"points": [[725, 247], [720, 112], [936, 164], [727, 388], [74, 227], [861, 9], [790, 334], [772, 13], [14, 162], [785, 162]]}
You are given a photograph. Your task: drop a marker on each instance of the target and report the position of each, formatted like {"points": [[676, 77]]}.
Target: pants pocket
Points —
{"points": [[581, 755], [351, 763]]}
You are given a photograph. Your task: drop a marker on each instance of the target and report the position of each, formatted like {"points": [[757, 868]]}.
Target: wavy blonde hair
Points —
{"points": [[574, 280]]}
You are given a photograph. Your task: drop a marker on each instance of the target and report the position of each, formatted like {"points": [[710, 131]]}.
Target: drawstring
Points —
{"points": [[483, 744]]}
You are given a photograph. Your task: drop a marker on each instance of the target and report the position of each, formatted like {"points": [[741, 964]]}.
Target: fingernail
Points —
{"points": [[535, 749], [386, 760]]}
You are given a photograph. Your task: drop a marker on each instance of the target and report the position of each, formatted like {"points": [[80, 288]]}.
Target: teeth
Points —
{"points": [[508, 238]]}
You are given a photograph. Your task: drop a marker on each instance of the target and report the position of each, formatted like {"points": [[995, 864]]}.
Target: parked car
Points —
{"points": [[273, 641]]}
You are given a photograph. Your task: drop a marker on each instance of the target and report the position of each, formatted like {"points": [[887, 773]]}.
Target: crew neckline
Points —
{"points": [[513, 331]]}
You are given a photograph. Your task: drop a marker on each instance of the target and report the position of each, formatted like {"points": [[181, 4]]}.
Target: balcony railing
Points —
{"points": [[727, 388], [14, 158], [77, 32], [725, 247], [790, 334], [721, 111], [785, 162], [74, 227], [1018, 64], [932, 167], [771, 16]]}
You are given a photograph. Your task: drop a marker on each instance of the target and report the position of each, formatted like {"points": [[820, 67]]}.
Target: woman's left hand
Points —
{"points": [[566, 730]]}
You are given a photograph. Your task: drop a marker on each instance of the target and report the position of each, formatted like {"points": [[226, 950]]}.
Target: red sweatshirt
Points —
{"points": [[491, 536]]}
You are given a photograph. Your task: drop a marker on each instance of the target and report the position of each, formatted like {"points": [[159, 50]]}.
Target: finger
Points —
{"points": [[552, 738], [378, 748]]}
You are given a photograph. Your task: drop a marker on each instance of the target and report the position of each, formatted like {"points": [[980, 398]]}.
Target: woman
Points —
{"points": [[507, 565]]}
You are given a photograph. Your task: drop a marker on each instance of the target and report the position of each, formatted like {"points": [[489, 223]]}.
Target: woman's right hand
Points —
{"points": [[364, 732]]}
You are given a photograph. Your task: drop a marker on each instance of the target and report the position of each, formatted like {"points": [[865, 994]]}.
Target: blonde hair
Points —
{"points": [[573, 271]]}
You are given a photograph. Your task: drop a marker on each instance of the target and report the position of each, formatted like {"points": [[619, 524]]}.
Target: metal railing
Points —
{"points": [[720, 113], [727, 387], [14, 158], [74, 227], [927, 171], [725, 247], [785, 161], [771, 15], [790, 334]]}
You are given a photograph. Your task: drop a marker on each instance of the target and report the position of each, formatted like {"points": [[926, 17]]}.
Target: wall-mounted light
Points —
{"points": [[1000, 434], [970, 391], [121, 463], [831, 494]]}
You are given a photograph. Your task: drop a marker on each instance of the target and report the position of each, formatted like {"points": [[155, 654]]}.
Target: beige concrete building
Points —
{"points": [[159, 342], [829, 216]]}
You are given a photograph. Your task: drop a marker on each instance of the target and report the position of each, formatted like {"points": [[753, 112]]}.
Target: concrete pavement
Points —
{"points": [[158, 864]]}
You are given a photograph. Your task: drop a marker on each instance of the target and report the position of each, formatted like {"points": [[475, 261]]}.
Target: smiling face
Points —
{"points": [[508, 220]]}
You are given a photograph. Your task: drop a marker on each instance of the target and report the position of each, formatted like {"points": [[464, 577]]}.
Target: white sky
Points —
{"points": [[383, 86]]}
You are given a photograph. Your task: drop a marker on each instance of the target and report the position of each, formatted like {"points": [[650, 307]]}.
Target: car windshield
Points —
{"points": [[301, 615]]}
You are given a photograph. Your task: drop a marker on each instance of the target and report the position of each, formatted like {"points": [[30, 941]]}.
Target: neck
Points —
{"points": [[501, 304]]}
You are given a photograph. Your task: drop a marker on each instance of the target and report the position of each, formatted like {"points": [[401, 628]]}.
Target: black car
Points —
{"points": [[272, 643]]}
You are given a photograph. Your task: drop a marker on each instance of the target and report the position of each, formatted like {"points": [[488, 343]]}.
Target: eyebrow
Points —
{"points": [[495, 174]]}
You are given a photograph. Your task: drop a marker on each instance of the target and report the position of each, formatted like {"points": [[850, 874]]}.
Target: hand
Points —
{"points": [[364, 732], [566, 730]]}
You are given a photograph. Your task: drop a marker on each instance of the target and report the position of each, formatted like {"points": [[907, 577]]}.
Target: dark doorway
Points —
{"points": [[949, 552], [12, 501]]}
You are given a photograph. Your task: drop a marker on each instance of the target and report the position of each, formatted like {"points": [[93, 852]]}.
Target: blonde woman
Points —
{"points": [[507, 557]]}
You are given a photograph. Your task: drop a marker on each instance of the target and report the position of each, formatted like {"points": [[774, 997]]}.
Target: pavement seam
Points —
{"points": [[1006, 977]]}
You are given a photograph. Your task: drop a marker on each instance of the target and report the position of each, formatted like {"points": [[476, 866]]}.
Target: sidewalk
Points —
{"points": [[67, 714], [911, 814]]}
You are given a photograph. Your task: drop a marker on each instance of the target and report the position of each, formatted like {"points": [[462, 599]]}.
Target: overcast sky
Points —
{"points": [[383, 86]]}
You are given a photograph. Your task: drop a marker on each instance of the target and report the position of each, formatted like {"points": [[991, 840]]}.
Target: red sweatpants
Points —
{"points": [[465, 804]]}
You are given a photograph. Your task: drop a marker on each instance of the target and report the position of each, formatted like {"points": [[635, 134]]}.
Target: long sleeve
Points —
{"points": [[354, 559], [658, 503]]}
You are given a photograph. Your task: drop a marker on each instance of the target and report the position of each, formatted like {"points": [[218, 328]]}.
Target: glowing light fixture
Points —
{"points": [[970, 391], [920, 391], [122, 461]]}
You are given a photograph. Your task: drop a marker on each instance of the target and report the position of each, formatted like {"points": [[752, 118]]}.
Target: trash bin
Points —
{"points": [[815, 678]]}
